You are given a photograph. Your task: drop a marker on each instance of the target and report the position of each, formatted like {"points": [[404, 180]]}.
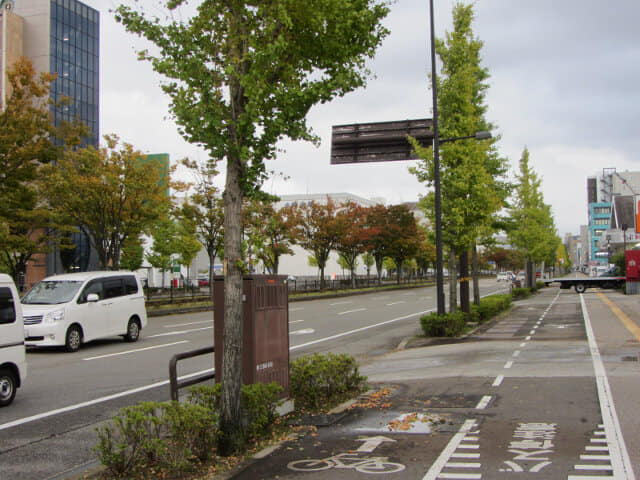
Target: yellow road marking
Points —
{"points": [[624, 318]]}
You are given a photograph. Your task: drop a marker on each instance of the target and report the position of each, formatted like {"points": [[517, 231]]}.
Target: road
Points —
{"points": [[550, 392], [522, 378]]}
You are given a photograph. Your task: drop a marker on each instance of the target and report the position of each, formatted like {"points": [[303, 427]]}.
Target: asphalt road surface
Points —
{"points": [[528, 377]]}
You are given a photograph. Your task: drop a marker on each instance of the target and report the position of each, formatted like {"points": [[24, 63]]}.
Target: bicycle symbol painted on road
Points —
{"points": [[347, 461]]}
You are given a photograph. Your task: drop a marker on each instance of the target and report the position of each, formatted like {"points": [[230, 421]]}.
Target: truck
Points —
{"points": [[609, 279]]}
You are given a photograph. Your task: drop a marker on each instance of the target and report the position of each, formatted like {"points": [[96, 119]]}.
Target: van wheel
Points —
{"points": [[133, 331], [7, 387], [73, 339], [580, 287]]}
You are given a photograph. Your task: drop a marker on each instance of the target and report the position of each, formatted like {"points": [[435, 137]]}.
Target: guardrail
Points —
{"points": [[176, 384]]}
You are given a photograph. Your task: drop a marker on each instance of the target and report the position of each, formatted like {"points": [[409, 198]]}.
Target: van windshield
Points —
{"points": [[51, 292]]}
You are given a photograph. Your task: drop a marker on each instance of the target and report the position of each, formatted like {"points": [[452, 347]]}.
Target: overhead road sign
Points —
{"points": [[378, 142]]}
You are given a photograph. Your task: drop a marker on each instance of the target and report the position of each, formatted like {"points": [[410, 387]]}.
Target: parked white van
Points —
{"points": [[13, 364], [75, 308]]}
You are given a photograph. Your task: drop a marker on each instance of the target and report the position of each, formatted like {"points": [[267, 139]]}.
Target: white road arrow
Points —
{"points": [[371, 443]]}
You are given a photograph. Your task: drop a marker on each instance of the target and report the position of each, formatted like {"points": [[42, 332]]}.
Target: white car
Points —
{"points": [[503, 276], [71, 309], [13, 363]]}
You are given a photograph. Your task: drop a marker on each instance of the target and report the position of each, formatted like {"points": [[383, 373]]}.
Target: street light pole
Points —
{"points": [[436, 174]]}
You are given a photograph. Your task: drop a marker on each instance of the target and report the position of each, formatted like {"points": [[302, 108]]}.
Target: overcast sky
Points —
{"points": [[564, 82]]}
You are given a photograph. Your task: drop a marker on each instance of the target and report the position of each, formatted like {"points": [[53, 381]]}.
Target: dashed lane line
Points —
{"points": [[136, 350], [454, 444]]}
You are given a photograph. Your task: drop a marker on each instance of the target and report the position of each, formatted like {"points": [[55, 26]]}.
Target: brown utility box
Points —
{"points": [[265, 329]]}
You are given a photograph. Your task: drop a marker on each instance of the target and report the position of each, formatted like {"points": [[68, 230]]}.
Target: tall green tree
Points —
{"points": [[164, 245], [471, 172], [532, 229], [205, 208], [243, 75], [110, 193]]}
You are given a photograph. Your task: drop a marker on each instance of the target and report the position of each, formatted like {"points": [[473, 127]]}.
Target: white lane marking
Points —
{"points": [[482, 404], [498, 381], [295, 321], [97, 357], [463, 465], [595, 457], [40, 416], [179, 332], [532, 332], [352, 311], [469, 447], [465, 455], [187, 324], [594, 467], [622, 468], [437, 466], [304, 331], [358, 330], [509, 364], [296, 309], [340, 303], [589, 477], [516, 353], [523, 344], [590, 448], [395, 303], [528, 338]]}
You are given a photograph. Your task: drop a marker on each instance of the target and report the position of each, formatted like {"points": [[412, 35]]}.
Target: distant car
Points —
{"points": [[203, 280], [503, 276], [291, 278]]}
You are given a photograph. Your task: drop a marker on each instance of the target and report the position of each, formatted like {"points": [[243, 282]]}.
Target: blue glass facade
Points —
{"points": [[74, 57], [599, 220]]}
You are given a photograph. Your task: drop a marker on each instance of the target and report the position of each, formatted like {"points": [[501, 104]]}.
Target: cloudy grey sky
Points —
{"points": [[564, 82]]}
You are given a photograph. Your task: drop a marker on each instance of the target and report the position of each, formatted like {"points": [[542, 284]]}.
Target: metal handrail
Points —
{"points": [[176, 384]]}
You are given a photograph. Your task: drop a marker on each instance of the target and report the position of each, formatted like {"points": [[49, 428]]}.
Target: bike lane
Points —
{"points": [[519, 402]]}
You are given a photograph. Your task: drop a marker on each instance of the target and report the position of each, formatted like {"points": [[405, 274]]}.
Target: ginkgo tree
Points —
{"points": [[241, 76]]}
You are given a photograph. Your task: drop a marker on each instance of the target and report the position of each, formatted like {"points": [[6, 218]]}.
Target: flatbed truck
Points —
{"points": [[580, 284]]}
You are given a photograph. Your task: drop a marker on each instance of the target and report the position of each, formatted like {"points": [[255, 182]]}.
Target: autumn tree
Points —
{"points": [[353, 237], [272, 232], [472, 187], [377, 239], [132, 255], [532, 229], [110, 193], [402, 235], [243, 75], [26, 144], [318, 231]]}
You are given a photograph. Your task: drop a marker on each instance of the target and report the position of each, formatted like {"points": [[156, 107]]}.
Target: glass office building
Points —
{"points": [[63, 37], [74, 57]]}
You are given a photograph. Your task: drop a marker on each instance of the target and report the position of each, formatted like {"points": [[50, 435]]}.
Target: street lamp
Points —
{"points": [[482, 135]]}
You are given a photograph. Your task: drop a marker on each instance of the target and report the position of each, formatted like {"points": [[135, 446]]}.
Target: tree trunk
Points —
{"points": [[464, 283], [212, 260], [232, 433], [453, 282], [476, 274], [321, 277]]}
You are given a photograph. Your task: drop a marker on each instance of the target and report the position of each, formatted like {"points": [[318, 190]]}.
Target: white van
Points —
{"points": [[13, 364], [71, 309]]}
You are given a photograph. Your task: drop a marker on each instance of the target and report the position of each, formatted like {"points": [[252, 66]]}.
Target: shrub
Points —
{"points": [[166, 436], [540, 285], [518, 293], [447, 325], [320, 382], [259, 402], [492, 305]]}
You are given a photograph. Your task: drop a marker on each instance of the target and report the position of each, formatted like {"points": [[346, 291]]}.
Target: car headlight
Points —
{"points": [[55, 316]]}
